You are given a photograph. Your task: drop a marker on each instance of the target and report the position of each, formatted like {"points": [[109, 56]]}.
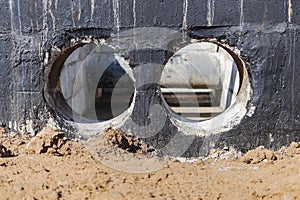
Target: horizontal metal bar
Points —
{"points": [[197, 109], [185, 90]]}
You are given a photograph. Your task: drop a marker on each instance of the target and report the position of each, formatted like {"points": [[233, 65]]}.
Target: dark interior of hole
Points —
{"points": [[107, 83]]}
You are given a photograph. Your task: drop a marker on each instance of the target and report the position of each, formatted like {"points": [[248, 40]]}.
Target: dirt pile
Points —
{"points": [[261, 154], [49, 166], [227, 153], [49, 141], [258, 155], [126, 142]]}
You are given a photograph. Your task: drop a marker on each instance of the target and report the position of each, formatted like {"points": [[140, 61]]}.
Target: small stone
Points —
{"points": [[294, 145], [226, 148], [214, 155]]}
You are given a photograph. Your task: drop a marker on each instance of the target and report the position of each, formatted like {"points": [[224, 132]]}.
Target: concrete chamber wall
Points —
{"points": [[265, 32]]}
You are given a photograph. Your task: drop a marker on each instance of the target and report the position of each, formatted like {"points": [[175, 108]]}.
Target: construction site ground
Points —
{"points": [[50, 166]]}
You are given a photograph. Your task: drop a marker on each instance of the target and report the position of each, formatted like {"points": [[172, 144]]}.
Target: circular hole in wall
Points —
{"points": [[94, 84], [200, 81]]}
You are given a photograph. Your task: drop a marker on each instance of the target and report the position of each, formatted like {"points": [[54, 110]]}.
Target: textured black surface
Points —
{"points": [[263, 30]]}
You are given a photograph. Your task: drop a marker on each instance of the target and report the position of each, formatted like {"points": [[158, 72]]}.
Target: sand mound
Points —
{"points": [[49, 141], [49, 166], [261, 154], [126, 142]]}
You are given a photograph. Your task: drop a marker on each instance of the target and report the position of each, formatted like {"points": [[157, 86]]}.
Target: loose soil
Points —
{"points": [[49, 166]]}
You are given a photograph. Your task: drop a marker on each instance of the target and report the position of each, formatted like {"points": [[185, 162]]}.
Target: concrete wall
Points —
{"points": [[265, 32]]}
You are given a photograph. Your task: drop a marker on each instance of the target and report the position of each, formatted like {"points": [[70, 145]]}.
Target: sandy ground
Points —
{"points": [[49, 166]]}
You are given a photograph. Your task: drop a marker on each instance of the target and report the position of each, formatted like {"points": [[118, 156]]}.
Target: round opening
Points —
{"points": [[94, 84], [200, 81]]}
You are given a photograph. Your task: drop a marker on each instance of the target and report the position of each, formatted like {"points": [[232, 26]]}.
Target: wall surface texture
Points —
{"points": [[265, 32]]}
